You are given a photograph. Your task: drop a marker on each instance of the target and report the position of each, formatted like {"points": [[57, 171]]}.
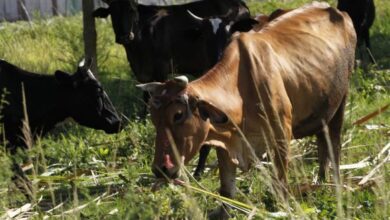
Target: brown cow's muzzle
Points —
{"points": [[167, 169]]}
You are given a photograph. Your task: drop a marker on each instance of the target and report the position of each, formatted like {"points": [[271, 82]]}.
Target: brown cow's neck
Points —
{"points": [[219, 85]]}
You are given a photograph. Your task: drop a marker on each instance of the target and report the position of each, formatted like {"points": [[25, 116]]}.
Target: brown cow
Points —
{"points": [[265, 19], [286, 81]]}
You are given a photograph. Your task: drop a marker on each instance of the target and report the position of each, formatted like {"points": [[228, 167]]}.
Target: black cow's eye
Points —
{"points": [[178, 117]]}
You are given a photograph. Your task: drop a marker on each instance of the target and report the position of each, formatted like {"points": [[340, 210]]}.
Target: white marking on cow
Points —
{"points": [[227, 28], [215, 22]]}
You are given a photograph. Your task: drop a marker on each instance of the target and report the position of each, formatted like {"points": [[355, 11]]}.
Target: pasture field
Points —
{"points": [[80, 173]]}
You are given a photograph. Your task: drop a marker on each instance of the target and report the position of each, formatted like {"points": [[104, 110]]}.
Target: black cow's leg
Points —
{"points": [[204, 152], [227, 175], [366, 37]]}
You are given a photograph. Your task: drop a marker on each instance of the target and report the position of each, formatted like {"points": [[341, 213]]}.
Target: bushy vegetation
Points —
{"points": [[83, 173]]}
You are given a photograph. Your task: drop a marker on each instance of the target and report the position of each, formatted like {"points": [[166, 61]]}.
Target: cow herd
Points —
{"points": [[262, 81]]}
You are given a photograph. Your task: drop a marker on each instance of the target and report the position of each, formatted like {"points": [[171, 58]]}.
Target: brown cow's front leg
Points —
{"points": [[227, 175], [281, 165]]}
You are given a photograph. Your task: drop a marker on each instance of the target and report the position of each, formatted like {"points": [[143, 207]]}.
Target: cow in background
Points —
{"points": [[362, 13], [160, 40], [269, 87], [47, 100]]}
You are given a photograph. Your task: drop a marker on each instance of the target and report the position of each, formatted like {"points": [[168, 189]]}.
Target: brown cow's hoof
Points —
{"points": [[220, 213]]}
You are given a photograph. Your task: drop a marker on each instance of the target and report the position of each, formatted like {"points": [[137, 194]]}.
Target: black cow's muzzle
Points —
{"points": [[125, 39], [115, 125]]}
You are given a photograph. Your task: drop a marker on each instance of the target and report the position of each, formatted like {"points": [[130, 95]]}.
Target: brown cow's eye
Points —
{"points": [[178, 117]]}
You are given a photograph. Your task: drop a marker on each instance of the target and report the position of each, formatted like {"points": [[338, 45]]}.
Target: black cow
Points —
{"points": [[49, 100], [163, 39], [362, 13], [224, 28]]}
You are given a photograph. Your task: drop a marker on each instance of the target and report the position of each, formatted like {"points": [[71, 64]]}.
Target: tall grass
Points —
{"points": [[82, 173]]}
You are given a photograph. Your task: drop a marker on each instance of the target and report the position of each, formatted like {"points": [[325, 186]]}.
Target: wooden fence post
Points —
{"points": [[54, 7], [89, 33]]}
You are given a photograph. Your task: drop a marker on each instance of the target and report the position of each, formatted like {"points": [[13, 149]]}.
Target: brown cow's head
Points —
{"points": [[182, 123]]}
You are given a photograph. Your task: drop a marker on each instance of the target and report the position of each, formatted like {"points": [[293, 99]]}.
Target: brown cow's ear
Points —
{"points": [[209, 111]]}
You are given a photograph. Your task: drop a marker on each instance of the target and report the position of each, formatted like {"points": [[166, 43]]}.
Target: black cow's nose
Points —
{"points": [[125, 39], [114, 127]]}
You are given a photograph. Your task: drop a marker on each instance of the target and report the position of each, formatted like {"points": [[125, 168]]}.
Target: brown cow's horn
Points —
{"points": [[194, 16], [150, 87], [182, 80]]}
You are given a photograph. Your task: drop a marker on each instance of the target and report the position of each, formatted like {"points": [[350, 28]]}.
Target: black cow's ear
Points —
{"points": [[101, 13], [244, 25], [209, 111], [63, 78]]}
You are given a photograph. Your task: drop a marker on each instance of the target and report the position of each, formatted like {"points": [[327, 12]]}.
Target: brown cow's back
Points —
{"points": [[303, 52], [314, 54]]}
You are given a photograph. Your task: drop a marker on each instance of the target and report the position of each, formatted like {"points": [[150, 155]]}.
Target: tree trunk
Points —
{"points": [[89, 33]]}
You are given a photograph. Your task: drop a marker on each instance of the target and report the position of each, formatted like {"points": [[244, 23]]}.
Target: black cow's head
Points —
{"points": [[223, 27], [87, 103], [124, 17]]}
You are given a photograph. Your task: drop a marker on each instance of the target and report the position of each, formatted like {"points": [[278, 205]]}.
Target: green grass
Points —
{"points": [[75, 166]]}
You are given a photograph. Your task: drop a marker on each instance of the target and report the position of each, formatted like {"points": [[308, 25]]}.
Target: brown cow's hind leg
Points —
{"points": [[324, 154], [323, 158]]}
